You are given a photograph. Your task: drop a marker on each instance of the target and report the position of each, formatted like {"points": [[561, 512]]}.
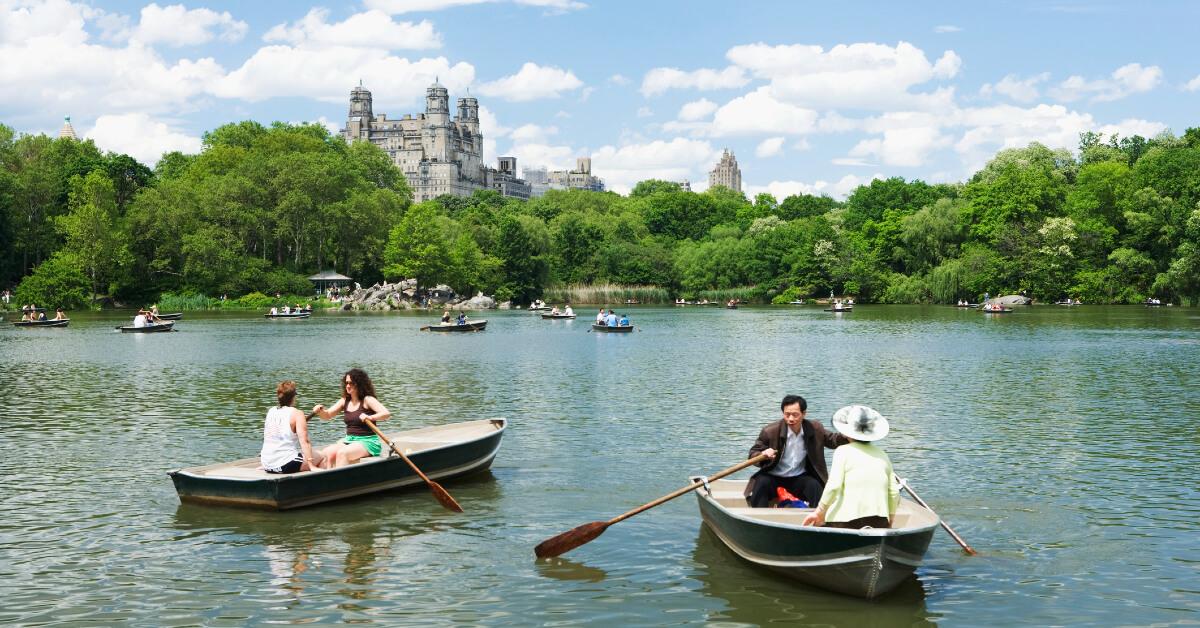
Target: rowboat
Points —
{"points": [[171, 317], [468, 326], [796, 302], [46, 323], [557, 316], [442, 452], [148, 329], [996, 310], [864, 563], [290, 315], [619, 329], [966, 305], [840, 309]]}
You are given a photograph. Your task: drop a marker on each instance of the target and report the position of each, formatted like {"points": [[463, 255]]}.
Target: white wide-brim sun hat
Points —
{"points": [[860, 423]]}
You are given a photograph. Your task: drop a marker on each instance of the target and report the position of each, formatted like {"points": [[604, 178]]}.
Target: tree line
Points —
{"points": [[260, 208]]}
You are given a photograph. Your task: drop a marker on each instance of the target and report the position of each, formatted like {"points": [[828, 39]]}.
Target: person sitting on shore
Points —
{"points": [[286, 447], [862, 490]]}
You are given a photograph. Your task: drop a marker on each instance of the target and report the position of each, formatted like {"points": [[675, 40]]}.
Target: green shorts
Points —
{"points": [[372, 443]]}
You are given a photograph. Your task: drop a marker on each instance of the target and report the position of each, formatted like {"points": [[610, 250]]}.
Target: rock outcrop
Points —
{"points": [[405, 295]]}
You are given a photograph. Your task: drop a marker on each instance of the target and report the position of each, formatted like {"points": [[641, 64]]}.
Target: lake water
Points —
{"points": [[1062, 443]]}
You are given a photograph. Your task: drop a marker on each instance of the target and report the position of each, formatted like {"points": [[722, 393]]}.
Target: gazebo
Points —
{"points": [[328, 278]]}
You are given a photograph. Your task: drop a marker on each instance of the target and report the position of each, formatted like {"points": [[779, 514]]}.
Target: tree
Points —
{"points": [[522, 244], [57, 282], [417, 249], [92, 235]]}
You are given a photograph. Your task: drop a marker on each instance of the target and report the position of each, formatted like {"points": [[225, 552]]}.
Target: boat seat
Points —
{"points": [[238, 472]]}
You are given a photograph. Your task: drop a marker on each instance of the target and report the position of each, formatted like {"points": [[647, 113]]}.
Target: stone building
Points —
{"points": [[67, 130], [438, 154], [578, 179], [505, 181], [726, 173]]}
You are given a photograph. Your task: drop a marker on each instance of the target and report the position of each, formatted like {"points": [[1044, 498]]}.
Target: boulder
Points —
{"points": [[1012, 299]]}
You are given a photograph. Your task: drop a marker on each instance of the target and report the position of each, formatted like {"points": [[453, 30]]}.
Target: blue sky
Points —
{"points": [[810, 97]]}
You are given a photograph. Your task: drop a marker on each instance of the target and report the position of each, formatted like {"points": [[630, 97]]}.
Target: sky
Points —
{"points": [[810, 97]]}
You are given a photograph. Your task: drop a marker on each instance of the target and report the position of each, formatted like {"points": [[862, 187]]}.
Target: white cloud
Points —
{"points": [[770, 147], [850, 161], [947, 28], [490, 125], [543, 156], [1193, 84], [659, 80], [320, 73], [675, 160], [644, 112], [176, 25], [1128, 79], [532, 82], [532, 133], [140, 136], [411, 6], [861, 76], [1132, 126], [1020, 90], [838, 189], [697, 110], [618, 79], [759, 113], [371, 29], [906, 138]]}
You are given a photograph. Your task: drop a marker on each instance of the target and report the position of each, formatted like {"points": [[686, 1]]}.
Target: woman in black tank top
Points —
{"points": [[358, 402]]}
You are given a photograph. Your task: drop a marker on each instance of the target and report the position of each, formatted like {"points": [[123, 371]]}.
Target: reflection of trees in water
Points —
{"points": [[566, 569], [754, 595]]}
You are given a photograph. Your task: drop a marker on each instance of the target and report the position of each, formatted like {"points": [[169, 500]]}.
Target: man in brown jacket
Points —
{"points": [[795, 449]]}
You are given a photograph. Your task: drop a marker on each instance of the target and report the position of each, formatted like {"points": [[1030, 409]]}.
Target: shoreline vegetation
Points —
{"points": [[261, 208]]}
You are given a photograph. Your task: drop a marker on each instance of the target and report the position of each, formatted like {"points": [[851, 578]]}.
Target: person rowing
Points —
{"points": [[358, 402]]}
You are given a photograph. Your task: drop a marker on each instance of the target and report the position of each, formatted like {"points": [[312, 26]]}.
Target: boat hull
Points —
{"points": [[557, 316], [171, 317], [247, 486], [612, 330], [300, 315], [861, 563], [148, 329], [46, 323], [470, 326]]}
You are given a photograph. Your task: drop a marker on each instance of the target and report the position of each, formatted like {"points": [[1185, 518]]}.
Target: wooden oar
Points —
{"points": [[945, 526], [585, 533], [438, 492]]}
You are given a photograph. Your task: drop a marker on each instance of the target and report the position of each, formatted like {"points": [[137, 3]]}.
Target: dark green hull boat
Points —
{"points": [[863, 563], [442, 452]]}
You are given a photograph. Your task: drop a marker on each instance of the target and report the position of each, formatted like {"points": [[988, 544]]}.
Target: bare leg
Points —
{"points": [[349, 454]]}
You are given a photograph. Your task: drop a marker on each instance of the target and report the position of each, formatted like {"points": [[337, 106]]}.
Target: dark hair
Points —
{"points": [[285, 392], [790, 399], [361, 382]]}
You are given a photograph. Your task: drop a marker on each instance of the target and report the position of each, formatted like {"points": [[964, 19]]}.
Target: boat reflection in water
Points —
{"points": [[756, 596]]}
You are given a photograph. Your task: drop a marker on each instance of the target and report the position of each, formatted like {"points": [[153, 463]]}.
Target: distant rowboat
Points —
{"points": [[289, 315], [864, 563], [46, 323], [557, 316], [171, 317], [468, 326], [149, 328], [442, 452], [619, 329]]}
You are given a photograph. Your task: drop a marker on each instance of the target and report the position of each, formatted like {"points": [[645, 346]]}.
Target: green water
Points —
{"points": [[1061, 442]]}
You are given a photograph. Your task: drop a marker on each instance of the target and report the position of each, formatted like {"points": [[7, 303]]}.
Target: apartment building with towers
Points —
{"points": [[726, 173], [438, 154]]}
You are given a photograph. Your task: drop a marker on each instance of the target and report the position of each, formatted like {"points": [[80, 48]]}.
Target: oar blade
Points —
{"points": [[570, 539], [444, 497]]}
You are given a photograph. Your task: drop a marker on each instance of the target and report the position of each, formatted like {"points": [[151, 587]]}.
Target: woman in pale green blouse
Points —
{"points": [[862, 490]]}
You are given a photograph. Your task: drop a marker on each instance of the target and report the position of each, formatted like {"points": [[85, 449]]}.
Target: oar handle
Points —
{"points": [[371, 424], [687, 489], [945, 526]]}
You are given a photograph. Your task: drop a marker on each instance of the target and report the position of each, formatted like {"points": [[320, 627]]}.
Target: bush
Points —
{"points": [[792, 294], [904, 289], [56, 282], [257, 301]]}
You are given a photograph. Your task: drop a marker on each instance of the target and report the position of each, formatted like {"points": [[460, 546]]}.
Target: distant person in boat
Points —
{"points": [[41, 316], [358, 402], [59, 315], [461, 320], [862, 490], [274, 311], [624, 322], [611, 319], [286, 447], [140, 319], [567, 311], [795, 449], [445, 317], [600, 318], [554, 311]]}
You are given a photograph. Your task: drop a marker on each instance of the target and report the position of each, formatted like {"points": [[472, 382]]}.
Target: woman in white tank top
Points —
{"points": [[286, 448]]}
